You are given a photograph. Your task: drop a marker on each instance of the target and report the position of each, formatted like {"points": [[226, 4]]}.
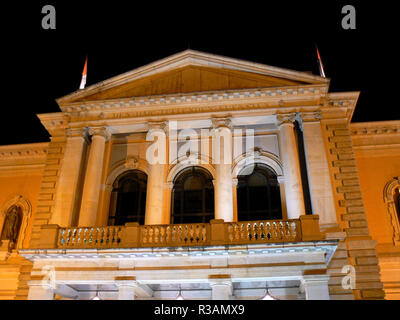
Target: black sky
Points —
{"points": [[42, 65]]}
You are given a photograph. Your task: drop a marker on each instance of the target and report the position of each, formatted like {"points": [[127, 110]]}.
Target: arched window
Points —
{"points": [[192, 196], [258, 194], [391, 194], [128, 198]]}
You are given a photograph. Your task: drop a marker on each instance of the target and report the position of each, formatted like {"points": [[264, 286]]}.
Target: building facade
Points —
{"points": [[203, 177]]}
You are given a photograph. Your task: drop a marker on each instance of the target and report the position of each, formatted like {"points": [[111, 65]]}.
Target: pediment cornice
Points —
{"points": [[192, 58]]}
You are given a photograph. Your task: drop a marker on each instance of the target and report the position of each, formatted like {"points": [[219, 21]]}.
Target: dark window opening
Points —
{"points": [[258, 194], [193, 196], [128, 199], [396, 198]]}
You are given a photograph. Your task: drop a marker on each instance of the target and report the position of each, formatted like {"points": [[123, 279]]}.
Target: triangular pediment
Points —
{"points": [[192, 71]]}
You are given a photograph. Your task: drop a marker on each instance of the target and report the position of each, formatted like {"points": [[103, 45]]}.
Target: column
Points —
{"points": [[156, 155], [222, 157], [40, 290], [317, 168], [126, 289], [316, 287], [291, 166], [221, 287], [66, 210], [94, 170]]}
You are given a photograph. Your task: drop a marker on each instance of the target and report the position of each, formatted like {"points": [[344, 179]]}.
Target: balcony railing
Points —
{"points": [[217, 232]]}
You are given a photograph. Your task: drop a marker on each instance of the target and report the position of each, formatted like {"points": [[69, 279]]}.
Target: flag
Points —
{"points": [[84, 73], [320, 65]]}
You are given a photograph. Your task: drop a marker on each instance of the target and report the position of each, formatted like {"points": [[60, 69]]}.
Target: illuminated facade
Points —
{"points": [[203, 177]]}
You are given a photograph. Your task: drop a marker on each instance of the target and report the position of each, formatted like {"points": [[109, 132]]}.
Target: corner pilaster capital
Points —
{"points": [[285, 119], [100, 131], [82, 132]]}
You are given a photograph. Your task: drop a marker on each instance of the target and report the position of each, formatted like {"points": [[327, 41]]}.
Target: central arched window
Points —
{"points": [[128, 198], [258, 194], [192, 196]]}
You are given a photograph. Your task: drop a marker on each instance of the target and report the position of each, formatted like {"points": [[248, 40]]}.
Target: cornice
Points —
{"points": [[197, 98], [375, 128], [23, 151]]}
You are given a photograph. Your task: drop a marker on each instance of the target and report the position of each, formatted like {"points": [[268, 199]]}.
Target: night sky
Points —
{"points": [[42, 65]]}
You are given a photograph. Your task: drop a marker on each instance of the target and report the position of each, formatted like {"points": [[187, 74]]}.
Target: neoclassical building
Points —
{"points": [[203, 177]]}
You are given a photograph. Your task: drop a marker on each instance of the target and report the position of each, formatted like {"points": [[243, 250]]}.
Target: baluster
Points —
{"points": [[280, 230], [168, 234], [156, 235], [174, 232], [249, 232], [150, 235], [268, 234], [180, 234], [191, 234], [185, 233], [144, 235], [243, 235], [62, 240], [162, 234], [262, 231], [255, 231], [236, 231], [197, 233], [73, 236], [274, 231]]}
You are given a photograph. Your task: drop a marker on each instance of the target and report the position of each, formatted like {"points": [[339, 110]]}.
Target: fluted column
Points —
{"points": [[156, 155], [94, 170], [318, 169], [291, 166], [222, 158], [66, 210]]}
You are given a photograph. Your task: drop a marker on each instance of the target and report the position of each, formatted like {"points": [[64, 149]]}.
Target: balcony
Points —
{"points": [[217, 232]]}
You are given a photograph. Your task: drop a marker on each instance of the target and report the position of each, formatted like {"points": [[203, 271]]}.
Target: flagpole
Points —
{"points": [[320, 65], [84, 75]]}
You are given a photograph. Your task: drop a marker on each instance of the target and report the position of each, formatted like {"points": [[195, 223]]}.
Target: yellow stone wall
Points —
{"points": [[377, 151]]}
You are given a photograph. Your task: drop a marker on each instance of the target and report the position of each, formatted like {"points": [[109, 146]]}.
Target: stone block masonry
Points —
{"points": [[358, 249]]}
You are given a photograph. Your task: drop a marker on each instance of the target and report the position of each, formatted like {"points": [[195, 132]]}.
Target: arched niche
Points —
{"points": [[25, 209], [391, 198]]}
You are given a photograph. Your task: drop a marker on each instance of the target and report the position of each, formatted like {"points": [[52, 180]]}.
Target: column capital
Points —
{"points": [[235, 181], [305, 117], [158, 126], [77, 132], [100, 131], [126, 281], [169, 185], [285, 118], [219, 122]]}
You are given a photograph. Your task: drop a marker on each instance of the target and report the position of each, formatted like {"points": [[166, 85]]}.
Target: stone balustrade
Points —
{"points": [[217, 232]]}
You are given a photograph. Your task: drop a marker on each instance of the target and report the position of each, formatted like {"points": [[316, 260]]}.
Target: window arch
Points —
{"points": [[128, 198], [258, 194], [192, 196]]}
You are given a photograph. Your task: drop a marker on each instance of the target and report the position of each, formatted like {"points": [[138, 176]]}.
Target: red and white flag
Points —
{"points": [[84, 73], [320, 65]]}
